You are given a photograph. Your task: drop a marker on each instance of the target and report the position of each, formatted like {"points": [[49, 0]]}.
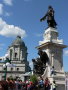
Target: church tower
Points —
{"points": [[17, 54], [18, 51]]}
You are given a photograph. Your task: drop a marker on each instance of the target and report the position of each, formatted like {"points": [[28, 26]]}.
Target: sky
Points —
{"points": [[22, 17]]}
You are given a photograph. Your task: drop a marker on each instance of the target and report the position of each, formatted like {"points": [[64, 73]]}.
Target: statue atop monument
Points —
{"points": [[50, 17]]}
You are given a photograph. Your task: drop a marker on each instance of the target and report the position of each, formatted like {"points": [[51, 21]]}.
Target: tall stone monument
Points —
{"points": [[54, 49]]}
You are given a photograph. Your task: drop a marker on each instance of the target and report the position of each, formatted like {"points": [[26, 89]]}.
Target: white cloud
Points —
{"points": [[1, 9], [66, 52], [10, 30], [8, 2]]}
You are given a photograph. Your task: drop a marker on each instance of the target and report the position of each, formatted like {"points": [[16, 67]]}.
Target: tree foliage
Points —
{"points": [[34, 79]]}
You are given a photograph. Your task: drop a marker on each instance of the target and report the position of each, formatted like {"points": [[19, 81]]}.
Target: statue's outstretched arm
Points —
{"points": [[43, 18]]}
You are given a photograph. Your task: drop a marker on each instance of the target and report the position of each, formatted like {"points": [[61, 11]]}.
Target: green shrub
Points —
{"points": [[34, 79]]}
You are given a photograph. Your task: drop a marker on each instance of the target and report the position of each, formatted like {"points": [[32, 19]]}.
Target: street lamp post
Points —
{"points": [[6, 63], [5, 73]]}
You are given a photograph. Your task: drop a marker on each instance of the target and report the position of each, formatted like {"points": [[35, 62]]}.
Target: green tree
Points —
{"points": [[34, 79]]}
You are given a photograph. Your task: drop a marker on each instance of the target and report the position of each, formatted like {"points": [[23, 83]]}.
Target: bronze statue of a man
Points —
{"points": [[50, 17]]}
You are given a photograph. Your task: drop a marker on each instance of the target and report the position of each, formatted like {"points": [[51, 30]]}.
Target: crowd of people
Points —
{"points": [[13, 84]]}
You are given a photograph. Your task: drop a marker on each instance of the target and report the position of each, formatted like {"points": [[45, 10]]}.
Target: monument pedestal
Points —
{"points": [[54, 49]]}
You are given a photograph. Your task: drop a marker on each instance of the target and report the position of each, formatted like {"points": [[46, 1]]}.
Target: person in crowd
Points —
{"points": [[41, 83], [31, 86], [47, 84], [19, 84], [24, 86], [54, 85], [53, 71], [3, 85], [11, 84], [0, 85], [16, 83]]}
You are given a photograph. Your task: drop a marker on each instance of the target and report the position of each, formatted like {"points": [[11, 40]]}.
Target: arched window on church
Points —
{"points": [[17, 69], [11, 69], [10, 54], [15, 55]]}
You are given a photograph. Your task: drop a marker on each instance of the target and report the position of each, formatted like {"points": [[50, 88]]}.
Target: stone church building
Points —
{"points": [[17, 54]]}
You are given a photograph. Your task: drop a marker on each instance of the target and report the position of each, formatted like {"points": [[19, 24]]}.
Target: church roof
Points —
{"points": [[18, 41]]}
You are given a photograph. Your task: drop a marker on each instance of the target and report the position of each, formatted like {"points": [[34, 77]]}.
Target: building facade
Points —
{"points": [[17, 54]]}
